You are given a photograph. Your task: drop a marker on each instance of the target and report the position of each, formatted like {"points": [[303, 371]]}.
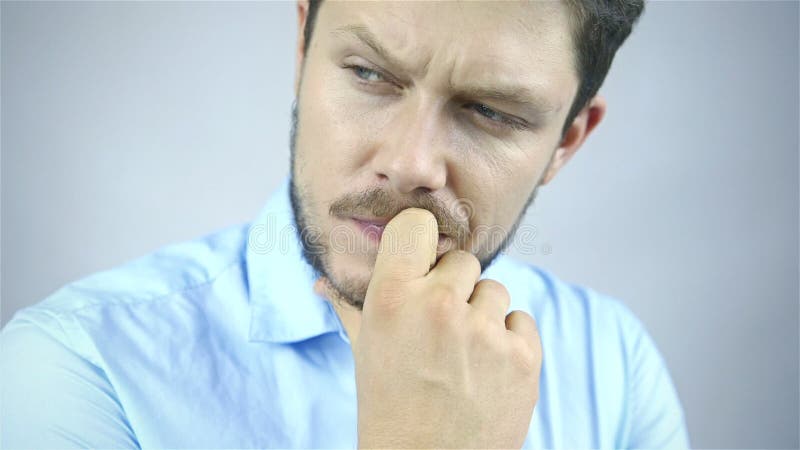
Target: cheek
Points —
{"points": [[500, 177], [328, 131]]}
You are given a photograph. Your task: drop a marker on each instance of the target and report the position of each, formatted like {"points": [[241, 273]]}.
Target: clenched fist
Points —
{"points": [[438, 362]]}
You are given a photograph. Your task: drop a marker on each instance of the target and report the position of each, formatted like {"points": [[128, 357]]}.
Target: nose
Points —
{"points": [[411, 156]]}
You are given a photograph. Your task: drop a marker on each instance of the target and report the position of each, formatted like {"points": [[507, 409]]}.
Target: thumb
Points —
{"points": [[349, 315]]}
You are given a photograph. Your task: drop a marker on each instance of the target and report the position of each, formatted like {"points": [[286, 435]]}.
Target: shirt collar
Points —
{"points": [[284, 306]]}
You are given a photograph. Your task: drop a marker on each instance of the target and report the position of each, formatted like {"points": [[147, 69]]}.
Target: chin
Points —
{"points": [[351, 274]]}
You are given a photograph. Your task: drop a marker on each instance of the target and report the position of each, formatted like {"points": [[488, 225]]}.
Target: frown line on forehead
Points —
{"points": [[519, 95]]}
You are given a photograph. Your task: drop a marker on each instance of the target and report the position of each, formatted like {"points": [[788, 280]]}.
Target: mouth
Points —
{"points": [[373, 228]]}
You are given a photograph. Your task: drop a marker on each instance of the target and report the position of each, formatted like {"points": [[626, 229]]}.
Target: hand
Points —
{"points": [[438, 362]]}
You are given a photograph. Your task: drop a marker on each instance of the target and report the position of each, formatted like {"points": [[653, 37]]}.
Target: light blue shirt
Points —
{"points": [[222, 343]]}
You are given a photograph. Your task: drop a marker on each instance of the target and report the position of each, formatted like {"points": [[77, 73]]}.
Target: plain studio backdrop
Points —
{"points": [[127, 126]]}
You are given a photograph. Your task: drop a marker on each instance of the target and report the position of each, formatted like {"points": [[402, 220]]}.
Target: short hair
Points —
{"points": [[599, 28]]}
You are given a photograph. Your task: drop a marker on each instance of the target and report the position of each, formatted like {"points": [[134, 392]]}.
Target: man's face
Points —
{"points": [[448, 106]]}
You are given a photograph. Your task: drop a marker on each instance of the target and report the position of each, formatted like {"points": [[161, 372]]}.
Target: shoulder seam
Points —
{"points": [[130, 301]]}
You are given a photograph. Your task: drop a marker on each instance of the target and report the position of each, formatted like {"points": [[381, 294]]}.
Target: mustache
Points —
{"points": [[452, 219]]}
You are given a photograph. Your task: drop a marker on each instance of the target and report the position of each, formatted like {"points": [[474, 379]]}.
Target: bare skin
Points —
{"points": [[421, 122], [438, 362]]}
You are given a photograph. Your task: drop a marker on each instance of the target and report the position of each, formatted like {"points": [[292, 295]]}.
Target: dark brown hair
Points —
{"points": [[599, 27]]}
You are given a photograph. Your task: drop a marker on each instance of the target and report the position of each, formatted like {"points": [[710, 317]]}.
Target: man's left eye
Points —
{"points": [[489, 113], [497, 117]]}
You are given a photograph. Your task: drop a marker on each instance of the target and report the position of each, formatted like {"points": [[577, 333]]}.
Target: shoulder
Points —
{"points": [[173, 268], [562, 304], [599, 359], [583, 331], [156, 278]]}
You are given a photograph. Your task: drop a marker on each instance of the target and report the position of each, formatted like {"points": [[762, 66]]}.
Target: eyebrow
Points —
{"points": [[516, 94], [366, 36]]}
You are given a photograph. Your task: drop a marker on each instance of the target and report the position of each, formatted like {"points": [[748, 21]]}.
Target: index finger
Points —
{"points": [[408, 246]]}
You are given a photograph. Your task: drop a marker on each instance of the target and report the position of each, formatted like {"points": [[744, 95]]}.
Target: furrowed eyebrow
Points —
{"points": [[366, 36], [518, 95]]}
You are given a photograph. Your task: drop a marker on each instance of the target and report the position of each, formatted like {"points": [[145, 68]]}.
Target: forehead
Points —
{"points": [[525, 43]]}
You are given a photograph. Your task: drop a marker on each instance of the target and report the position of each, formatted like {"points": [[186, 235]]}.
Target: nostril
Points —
{"points": [[422, 190]]}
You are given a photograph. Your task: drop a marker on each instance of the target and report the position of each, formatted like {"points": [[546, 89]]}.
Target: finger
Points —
{"points": [[522, 324], [490, 297], [458, 269], [408, 246], [348, 314]]}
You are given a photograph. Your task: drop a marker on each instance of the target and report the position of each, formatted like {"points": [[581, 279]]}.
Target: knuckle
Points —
{"points": [[523, 323], [486, 333], [495, 288], [465, 259], [479, 326], [531, 321], [441, 304], [524, 354], [445, 293]]}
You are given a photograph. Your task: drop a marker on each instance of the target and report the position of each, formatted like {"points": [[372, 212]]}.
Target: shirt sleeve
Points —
{"points": [[657, 419], [52, 397]]}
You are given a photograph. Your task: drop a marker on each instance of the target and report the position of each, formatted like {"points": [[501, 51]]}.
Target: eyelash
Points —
{"points": [[505, 120], [481, 109], [357, 68]]}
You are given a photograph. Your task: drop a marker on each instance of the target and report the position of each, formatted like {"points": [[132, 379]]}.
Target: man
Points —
{"points": [[420, 135]]}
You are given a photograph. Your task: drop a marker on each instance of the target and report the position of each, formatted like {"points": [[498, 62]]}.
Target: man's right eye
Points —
{"points": [[367, 74]]}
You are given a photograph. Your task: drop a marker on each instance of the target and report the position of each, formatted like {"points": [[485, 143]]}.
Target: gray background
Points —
{"points": [[126, 126]]}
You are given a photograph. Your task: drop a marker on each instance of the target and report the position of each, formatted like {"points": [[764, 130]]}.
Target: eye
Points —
{"points": [[366, 74], [499, 118], [489, 113]]}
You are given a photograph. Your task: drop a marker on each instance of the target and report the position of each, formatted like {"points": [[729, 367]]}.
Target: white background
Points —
{"points": [[127, 126]]}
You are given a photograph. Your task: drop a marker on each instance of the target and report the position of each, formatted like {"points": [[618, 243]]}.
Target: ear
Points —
{"points": [[583, 124], [302, 15]]}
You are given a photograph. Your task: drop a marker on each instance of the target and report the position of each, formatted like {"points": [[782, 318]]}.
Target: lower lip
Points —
{"points": [[374, 232], [371, 230]]}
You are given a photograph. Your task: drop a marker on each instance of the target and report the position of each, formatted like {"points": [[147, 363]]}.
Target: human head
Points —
{"points": [[463, 109], [598, 29]]}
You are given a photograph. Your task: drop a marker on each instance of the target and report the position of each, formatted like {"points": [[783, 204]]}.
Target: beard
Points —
{"points": [[378, 203]]}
